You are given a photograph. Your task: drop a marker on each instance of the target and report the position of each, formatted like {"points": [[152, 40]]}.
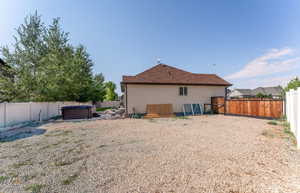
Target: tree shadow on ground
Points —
{"points": [[20, 133]]}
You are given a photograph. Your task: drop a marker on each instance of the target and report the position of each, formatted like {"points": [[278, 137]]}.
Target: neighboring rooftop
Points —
{"points": [[274, 91], [164, 74]]}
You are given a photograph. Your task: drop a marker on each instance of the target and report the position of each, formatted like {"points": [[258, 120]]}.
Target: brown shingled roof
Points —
{"points": [[164, 74]]}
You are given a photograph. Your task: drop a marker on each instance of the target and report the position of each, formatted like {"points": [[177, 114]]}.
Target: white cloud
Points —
{"points": [[275, 60], [265, 82]]}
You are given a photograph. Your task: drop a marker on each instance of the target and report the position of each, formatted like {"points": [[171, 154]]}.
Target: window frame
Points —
{"points": [[183, 91]]}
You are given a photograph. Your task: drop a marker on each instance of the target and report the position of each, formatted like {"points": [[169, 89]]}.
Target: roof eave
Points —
{"points": [[158, 83]]}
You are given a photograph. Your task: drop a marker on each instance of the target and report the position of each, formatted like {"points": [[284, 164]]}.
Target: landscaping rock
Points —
{"points": [[112, 114]]}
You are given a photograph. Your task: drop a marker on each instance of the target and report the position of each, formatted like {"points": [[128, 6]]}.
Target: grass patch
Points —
{"points": [[268, 133], [288, 132], [70, 179], [64, 141], [66, 162], [181, 117], [3, 178], [35, 188], [284, 133], [272, 123], [58, 133], [20, 164], [102, 108]]}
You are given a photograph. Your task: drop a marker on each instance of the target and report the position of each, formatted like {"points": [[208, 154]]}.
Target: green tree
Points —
{"points": [[293, 84], [29, 48], [261, 95], [110, 89], [46, 67], [98, 88]]}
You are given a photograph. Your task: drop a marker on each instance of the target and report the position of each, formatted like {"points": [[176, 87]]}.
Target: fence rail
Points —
{"points": [[12, 114], [293, 112]]}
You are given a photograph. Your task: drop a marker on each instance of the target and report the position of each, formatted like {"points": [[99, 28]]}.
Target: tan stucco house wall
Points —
{"points": [[139, 95]]}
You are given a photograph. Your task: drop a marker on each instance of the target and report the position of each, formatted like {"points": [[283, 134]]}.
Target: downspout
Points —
{"points": [[126, 106]]}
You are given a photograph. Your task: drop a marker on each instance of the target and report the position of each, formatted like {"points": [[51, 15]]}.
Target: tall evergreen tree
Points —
{"points": [[46, 67], [29, 49]]}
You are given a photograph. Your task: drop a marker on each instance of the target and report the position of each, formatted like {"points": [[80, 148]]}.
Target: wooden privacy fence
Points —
{"points": [[217, 104], [254, 107]]}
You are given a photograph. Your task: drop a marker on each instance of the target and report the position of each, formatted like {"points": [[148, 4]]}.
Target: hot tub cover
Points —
{"points": [[77, 107]]}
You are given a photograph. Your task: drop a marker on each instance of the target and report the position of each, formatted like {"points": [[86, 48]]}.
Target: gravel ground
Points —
{"points": [[200, 154]]}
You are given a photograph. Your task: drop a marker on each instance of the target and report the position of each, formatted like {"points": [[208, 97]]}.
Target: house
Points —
{"points": [[275, 92], [240, 93], [163, 84]]}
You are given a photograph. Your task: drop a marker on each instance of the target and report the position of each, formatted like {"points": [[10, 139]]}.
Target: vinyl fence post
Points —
{"points": [[295, 111], [297, 118], [292, 111], [287, 99], [30, 118], [47, 111], [4, 114]]}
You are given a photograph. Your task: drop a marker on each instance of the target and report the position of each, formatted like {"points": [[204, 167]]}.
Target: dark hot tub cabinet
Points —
{"points": [[77, 112]]}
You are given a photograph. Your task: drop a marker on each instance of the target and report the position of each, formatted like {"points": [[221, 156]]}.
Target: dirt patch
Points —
{"points": [[192, 154]]}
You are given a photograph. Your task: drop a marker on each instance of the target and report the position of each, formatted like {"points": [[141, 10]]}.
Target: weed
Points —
{"points": [[12, 174], [268, 133], [70, 179], [286, 124], [282, 118], [34, 188], [152, 120], [29, 177], [102, 146], [272, 123], [3, 178]]}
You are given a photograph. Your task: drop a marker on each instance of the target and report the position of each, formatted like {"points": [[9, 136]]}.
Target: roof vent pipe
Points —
{"points": [[158, 61]]}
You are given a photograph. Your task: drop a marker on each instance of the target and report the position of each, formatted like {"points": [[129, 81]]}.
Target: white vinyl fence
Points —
{"points": [[105, 104], [14, 114], [293, 112]]}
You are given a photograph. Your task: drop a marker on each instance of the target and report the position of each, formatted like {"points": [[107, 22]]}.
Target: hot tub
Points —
{"points": [[77, 112]]}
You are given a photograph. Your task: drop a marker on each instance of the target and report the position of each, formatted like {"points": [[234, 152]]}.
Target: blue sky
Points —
{"points": [[252, 42]]}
